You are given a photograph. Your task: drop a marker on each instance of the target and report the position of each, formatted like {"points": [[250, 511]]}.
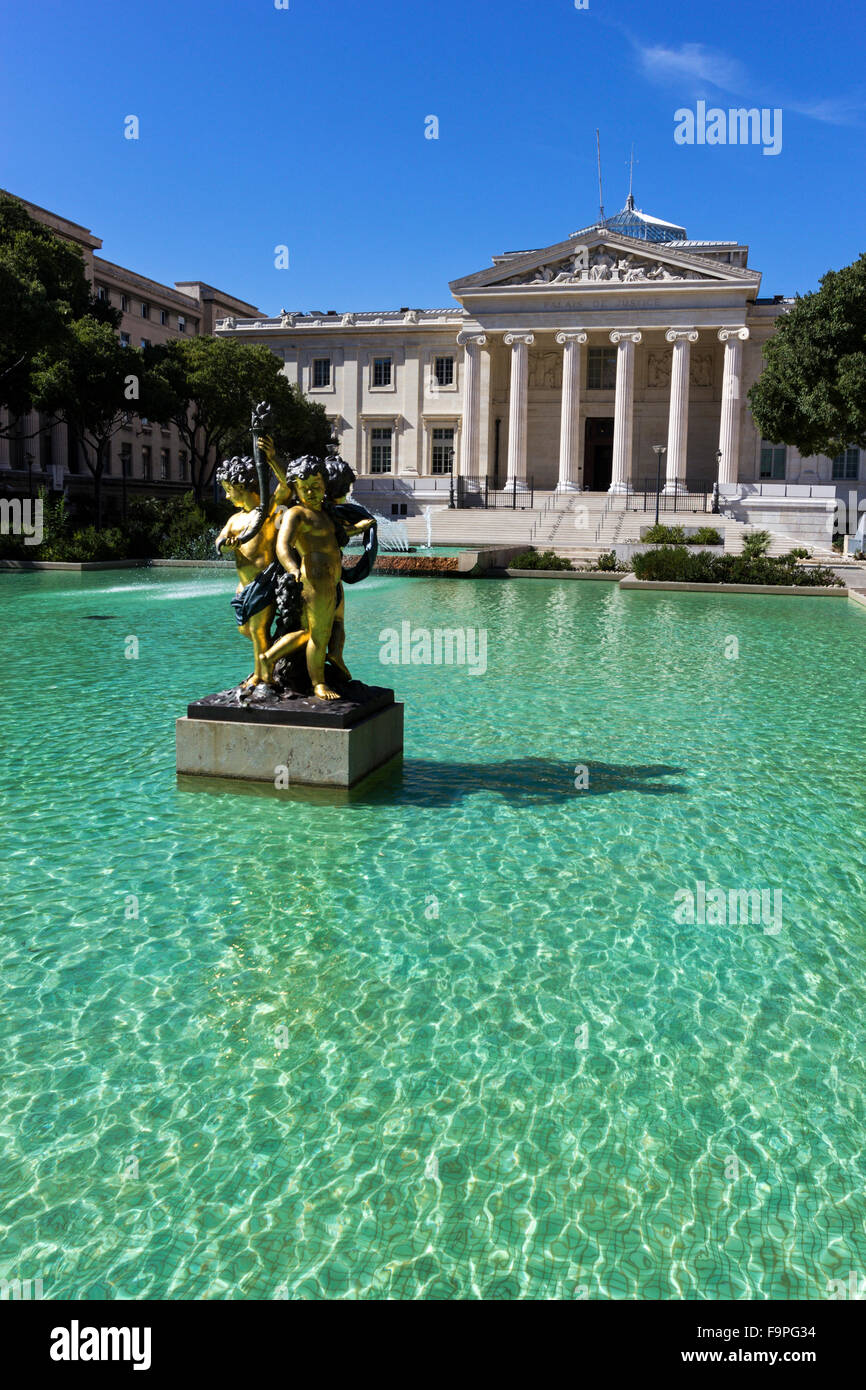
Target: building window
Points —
{"points": [[381, 371], [164, 464], [321, 371], [773, 461], [145, 342], [443, 370], [126, 460], [847, 464], [124, 340], [181, 323], [145, 310], [181, 465], [443, 451], [124, 302], [163, 317], [601, 369], [102, 294], [380, 451], [145, 461]]}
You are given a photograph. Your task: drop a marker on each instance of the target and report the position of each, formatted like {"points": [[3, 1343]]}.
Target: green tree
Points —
{"points": [[43, 290], [812, 392], [207, 387], [88, 387]]}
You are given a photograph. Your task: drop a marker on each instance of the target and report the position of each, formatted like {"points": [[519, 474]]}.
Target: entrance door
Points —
{"points": [[597, 454]]}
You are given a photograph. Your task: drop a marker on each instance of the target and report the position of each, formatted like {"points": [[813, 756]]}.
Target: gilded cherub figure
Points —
{"points": [[255, 555], [309, 548]]}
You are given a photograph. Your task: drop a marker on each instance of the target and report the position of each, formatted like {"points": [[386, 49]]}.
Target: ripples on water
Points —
{"points": [[444, 1038]]}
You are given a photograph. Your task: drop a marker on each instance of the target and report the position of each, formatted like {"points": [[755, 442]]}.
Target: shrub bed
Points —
{"points": [[174, 528], [676, 535], [609, 563], [676, 563], [539, 560], [429, 565]]}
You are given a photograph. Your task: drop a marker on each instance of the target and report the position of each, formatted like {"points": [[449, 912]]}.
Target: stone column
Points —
{"points": [[729, 423], [569, 429], [678, 417], [625, 341], [519, 344], [470, 436]]}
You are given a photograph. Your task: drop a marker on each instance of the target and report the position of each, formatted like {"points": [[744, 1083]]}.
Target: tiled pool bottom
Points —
{"points": [[448, 1039]]}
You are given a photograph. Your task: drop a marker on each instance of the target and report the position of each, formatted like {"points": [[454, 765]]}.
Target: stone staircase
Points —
{"points": [[581, 526]]}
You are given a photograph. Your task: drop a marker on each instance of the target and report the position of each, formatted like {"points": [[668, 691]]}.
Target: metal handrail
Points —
{"points": [[607, 507]]}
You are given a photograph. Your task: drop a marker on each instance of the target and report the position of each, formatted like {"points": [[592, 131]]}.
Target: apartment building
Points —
{"points": [[144, 457]]}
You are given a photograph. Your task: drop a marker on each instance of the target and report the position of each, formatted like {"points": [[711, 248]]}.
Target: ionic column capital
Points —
{"points": [[726, 333], [575, 336], [465, 338], [527, 338], [676, 335], [626, 335]]}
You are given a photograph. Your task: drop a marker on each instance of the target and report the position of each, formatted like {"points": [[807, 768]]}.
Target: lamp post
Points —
{"points": [[716, 483], [451, 478], [659, 450]]}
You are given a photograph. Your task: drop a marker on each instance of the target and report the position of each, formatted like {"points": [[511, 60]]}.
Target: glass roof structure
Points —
{"points": [[634, 223]]}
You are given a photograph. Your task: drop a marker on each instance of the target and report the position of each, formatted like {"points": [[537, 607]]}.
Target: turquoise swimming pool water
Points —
{"points": [[450, 1037]]}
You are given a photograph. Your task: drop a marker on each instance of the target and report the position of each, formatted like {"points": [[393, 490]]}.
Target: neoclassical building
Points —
{"points": [[565, 365]]}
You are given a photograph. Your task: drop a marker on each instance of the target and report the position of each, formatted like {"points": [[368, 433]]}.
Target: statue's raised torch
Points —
{"points": [[261, 420]]}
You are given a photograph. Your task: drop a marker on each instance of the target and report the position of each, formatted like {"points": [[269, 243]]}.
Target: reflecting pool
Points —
{"points": [[457, 1034]]}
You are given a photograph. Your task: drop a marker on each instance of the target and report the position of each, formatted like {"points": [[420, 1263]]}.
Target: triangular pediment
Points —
{"points": [[601, 257]]}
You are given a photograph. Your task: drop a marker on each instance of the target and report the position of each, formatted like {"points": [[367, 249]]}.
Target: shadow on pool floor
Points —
{"points": [[533, 780], [425, 782]]}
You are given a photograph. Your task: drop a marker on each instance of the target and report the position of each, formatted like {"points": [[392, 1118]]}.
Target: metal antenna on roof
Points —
{"points": [[630, 202], [600, 196]]}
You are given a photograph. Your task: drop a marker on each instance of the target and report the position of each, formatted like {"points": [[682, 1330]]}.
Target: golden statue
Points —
{"points": [[289, 562], [255, 554], [309, 548]]}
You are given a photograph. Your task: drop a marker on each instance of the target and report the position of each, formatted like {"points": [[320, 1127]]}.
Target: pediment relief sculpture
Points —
{"points": [[602, 263]]}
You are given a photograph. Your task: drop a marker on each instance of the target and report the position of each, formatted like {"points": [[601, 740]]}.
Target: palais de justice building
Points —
{"points": [[565, 365]]}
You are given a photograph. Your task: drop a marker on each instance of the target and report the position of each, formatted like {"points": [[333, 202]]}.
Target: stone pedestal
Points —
{"points": [[291, 742]]}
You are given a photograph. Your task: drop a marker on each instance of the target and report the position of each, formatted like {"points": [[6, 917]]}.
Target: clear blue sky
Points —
{"points": [[305, 127]]}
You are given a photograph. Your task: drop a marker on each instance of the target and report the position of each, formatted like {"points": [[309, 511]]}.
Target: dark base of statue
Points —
{"points": [[286, 736], [267, 705]]}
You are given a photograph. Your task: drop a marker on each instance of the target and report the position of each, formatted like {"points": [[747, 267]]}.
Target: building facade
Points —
{"points": [[144, 457], [564, 366]]}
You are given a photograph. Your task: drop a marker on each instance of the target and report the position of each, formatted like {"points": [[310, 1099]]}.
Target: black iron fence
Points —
{"points": [[462, 490], [650, 495], [481, 491]]}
